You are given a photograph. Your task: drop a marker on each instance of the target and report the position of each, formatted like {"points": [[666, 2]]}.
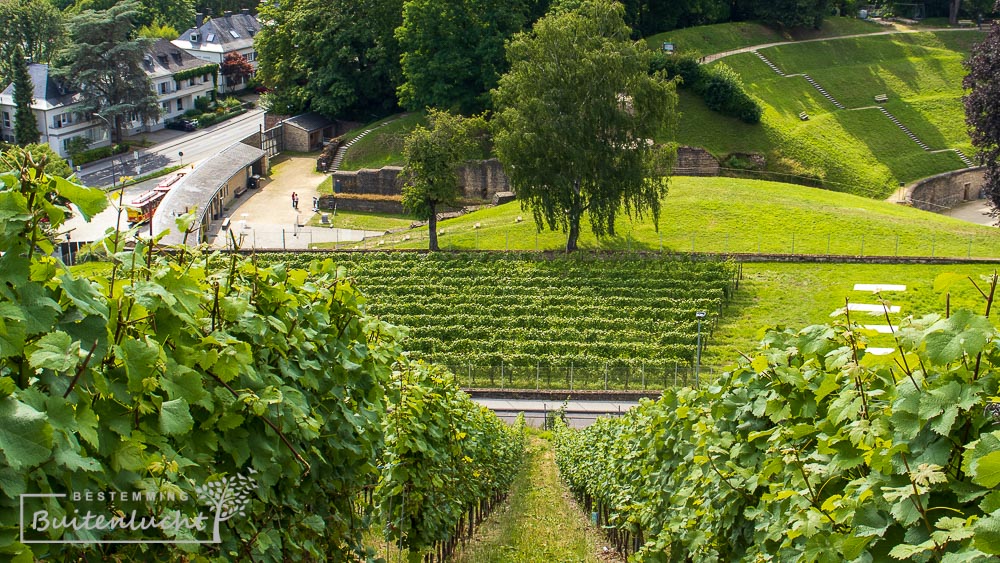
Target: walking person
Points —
{"points": [[295, 200]]}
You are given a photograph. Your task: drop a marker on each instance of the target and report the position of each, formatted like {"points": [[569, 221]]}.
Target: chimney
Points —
{"points": [[245, 11], [199, 19], [228, 13]]}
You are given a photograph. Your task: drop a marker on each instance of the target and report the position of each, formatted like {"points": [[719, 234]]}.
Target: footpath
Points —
{"points": [[540, 522]]}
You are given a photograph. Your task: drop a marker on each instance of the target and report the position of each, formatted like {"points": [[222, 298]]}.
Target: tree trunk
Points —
{"points": [[432, 234], [953, 11], [574, 230]]}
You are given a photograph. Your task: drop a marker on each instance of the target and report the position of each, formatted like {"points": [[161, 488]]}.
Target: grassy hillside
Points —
{"points": [[858, 149], [732, 215], [708, 39]]}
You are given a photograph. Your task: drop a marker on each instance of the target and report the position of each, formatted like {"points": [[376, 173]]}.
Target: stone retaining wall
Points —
{"points": [[479, 180], [694, 161], [326, 203], [944, 191]]}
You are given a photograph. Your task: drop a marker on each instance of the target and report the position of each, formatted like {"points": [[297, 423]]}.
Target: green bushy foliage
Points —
{"points": [[809, 450], [444, 455], [720, 86], [165, 374], [91, 155]]}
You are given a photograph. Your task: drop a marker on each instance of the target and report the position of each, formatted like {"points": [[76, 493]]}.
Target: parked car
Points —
{"points": [[182, 124]]}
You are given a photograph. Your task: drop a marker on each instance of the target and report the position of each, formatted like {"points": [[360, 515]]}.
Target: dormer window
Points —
{"points": [[196, 37], [162, 59]]}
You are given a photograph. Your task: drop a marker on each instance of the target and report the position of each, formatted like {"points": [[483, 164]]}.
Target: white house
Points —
{"points": [[178, 80], [215, 38], [59, 111]]}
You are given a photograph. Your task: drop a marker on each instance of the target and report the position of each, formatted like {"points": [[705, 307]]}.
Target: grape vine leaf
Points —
{"points": [[987, 471], [25, 437], [90, 201], [962, 333], [988, 534], [55, 351], [175, 417]]}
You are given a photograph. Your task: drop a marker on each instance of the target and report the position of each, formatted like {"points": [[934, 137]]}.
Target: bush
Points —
{"points": [[212, 118], [720, 87], [99, 153], [723, 92], [203, 104]]}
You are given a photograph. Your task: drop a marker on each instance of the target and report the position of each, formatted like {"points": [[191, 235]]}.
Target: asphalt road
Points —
{"points": [[195, 146]]}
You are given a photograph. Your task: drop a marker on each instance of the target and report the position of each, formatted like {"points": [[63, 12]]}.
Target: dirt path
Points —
{"points": [[541, 523]]}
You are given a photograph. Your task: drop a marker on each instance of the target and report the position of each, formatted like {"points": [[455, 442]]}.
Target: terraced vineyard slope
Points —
{"points": [[532, 320]]}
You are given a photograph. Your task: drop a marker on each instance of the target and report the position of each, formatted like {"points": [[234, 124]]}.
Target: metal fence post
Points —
{"points": [[571, 376], [642, 367], [605, 376], [537, 370]]}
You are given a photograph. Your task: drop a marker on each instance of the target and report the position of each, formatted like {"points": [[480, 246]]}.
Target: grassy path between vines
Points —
{"points": [[540, 522]]}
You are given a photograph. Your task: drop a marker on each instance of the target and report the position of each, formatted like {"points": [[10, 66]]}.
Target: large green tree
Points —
{"points": [[174, 13], [792, 13], [104, 60], [35, 25], [576, 115], [337, 57], [453, 50], [25, 122], [432, 158], [981, 103]]}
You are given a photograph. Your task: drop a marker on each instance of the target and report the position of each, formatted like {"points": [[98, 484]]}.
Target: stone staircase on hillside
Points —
{"points": [[909, 133], [820, 89], [961, 155], [808, 79], [769, 63], [339, 156]]}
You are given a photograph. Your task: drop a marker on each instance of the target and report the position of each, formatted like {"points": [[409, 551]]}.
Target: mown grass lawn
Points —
{"points": [[799, 295], [859, 151], [708, 39], [383, 146], [731, 215]]}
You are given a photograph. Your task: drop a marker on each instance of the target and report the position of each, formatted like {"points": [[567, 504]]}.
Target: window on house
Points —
{"points": [[191, 81], [6, 119], [210, 38], [234, 34], [251, 56], [162, 87], [166, 107], [180, 105]]}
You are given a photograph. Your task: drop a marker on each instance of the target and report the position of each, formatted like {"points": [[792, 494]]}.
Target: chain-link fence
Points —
{"points": [[601, 376]]}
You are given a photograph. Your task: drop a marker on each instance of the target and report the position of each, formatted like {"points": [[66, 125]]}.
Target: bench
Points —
{"points": [[240, 191], [225, 223], [804, 116], [881, 98], [966, 23]]}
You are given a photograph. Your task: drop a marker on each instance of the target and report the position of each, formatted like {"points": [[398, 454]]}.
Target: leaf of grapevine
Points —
{"points": [[56, 351], [175, 417], [25, 438]]}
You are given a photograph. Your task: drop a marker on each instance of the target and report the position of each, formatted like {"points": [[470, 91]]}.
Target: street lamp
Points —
{"points": [[697, 369], [181, 155]]}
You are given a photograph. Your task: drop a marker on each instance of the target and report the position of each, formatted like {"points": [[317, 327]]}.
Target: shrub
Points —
{"points": [[99, 153], [720, 87], [203, 104], [723, 92]]}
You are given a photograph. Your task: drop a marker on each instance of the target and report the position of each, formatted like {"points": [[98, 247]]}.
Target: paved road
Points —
{"points": [[196, 146], [578, 413]]}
